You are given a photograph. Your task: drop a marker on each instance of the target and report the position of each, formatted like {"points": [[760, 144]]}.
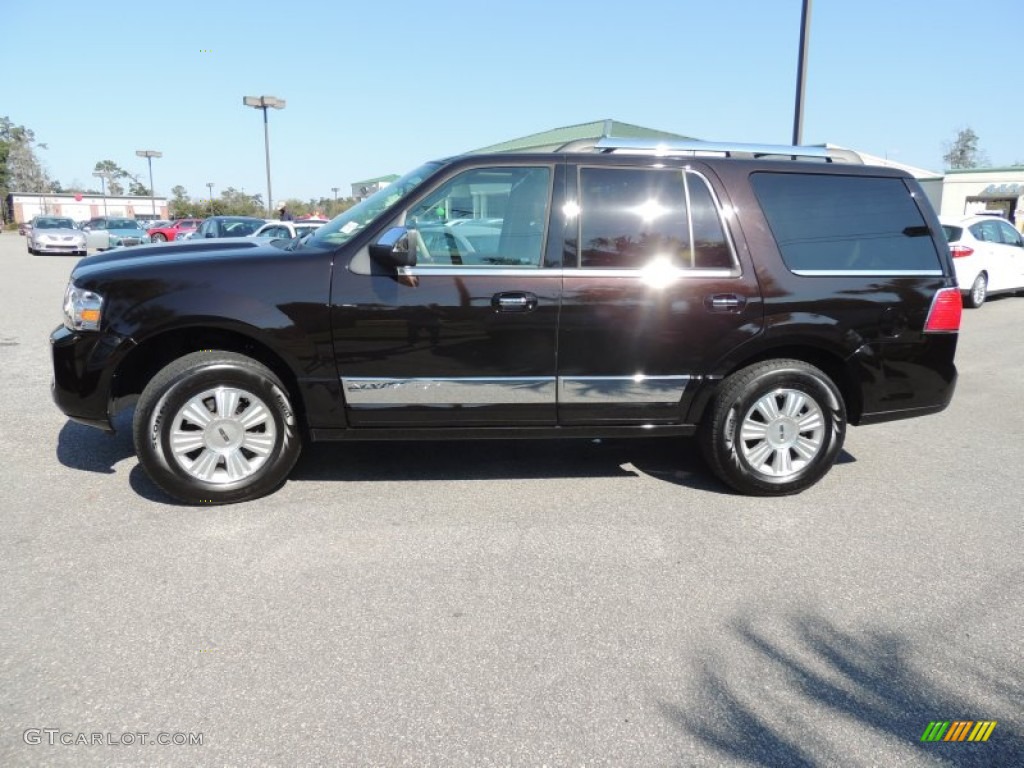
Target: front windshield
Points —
{"points": [[343, 227], [123, 224], [55, 224]]}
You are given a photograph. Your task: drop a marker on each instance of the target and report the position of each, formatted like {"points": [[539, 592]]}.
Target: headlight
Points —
{"points": [[83, 309]]}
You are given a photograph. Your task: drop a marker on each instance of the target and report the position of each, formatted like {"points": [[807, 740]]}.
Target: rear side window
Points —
{"points": [[630, 216], [838, 224]]}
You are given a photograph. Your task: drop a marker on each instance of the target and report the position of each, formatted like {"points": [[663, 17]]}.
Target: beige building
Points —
{"points": [[984, 189]]}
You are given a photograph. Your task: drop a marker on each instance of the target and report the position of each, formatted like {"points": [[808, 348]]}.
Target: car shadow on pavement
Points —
{"points": [[88, 449], [807, 688], [669, 459]]}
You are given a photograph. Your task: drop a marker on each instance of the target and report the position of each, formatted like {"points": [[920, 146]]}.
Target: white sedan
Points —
{"points": [[53, 234], [288, 229], [988, 254]]}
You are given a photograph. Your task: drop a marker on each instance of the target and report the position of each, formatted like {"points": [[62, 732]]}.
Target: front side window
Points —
{"points": [[346, 225], [484, 217], [633, 217], [836, 223]]}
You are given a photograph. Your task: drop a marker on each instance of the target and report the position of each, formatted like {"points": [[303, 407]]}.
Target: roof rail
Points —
{"points": [[695, 147]]}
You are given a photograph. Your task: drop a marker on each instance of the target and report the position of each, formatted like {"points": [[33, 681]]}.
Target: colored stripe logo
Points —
{"points": [[958, 730]]}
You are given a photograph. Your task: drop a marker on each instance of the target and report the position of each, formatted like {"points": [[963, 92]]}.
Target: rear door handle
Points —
{"points": [[724, 302], [514, 301]]}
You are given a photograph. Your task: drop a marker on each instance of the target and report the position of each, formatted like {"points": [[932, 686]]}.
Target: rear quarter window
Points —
{"points": [[828, 224], [952, 233]]}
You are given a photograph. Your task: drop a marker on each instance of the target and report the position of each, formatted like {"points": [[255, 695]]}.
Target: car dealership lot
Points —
{"points": [[513, 603]]}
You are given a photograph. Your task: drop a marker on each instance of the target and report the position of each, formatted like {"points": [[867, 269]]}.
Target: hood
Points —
{"points": [[60, 231], [182, 250]]}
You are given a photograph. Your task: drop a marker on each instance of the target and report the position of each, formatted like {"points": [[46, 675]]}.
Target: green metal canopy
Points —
{"points": [[548, 141]]}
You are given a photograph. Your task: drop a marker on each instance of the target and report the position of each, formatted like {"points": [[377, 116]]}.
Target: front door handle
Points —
{"points": [[724, 302], [514, 301]]}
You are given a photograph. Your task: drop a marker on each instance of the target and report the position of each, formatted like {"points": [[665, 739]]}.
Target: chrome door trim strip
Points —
{"points": [[363, 392], [606, 390]]}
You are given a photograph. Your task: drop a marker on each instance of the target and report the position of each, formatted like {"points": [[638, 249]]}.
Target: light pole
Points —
{"points": [[265, 103], [149, 154], [209, 184], [801, 74], [103, 176]]}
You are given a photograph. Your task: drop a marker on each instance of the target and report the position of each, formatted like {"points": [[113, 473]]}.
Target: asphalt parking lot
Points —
{"points": [[512, 603]]}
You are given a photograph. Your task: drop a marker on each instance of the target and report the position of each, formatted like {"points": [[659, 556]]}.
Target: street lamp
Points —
{"points": [[103, 176], [210, 185], [149, 154], [265, 103], [801, 73]]}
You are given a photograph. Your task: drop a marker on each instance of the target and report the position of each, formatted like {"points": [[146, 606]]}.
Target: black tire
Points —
{"points": [[255, 457], [975, 297], [159, 237], [800, 446]]}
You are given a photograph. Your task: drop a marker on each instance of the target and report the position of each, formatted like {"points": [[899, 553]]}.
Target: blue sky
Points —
{"points": [[377, 87]]}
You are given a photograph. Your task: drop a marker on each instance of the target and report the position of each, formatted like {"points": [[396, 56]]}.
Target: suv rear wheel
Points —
{"points": [[215, 428], [775, 428]]}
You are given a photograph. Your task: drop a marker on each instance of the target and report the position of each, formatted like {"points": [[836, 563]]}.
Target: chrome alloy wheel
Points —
{"points": [[222, 435], [782, 433]]}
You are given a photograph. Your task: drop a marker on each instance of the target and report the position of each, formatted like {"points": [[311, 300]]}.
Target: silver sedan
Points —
{"points": [[52, 234]]}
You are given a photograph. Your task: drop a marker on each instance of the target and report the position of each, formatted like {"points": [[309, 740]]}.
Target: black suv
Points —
{"points": [[761, 298]]}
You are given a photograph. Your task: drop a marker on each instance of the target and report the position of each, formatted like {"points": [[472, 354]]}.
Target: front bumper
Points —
{"points": [[84, 366], [58, 246]]}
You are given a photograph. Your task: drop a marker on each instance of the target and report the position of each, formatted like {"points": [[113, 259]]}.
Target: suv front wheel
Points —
{"points": [[215, 428], [774, 428]]}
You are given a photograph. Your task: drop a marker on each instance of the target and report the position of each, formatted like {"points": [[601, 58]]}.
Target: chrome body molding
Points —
{"points": [[534, 390], [595, 390], [371, 392]]}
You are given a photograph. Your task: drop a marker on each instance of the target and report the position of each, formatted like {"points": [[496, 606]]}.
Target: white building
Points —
{"points": [[979, 189], [82, 207]]}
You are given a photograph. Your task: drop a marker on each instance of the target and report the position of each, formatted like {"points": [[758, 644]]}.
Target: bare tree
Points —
{"points": [[963, 152]]}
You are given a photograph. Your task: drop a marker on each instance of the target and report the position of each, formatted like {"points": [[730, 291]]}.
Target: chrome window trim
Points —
{"points": [[868, 272], [678, 272]]}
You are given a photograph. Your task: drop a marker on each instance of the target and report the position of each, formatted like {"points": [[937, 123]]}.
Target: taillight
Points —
{"points": [[944, 315], [959, 251]]}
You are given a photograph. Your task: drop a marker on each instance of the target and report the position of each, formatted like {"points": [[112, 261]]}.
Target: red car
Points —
{"points": [[164, 234]]}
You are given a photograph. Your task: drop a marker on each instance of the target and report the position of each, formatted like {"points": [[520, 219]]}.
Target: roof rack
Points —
{"points": [[699, 148]]}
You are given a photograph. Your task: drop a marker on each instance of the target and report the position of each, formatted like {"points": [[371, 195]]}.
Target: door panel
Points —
{"points": [[658, 297], [467, 336]]}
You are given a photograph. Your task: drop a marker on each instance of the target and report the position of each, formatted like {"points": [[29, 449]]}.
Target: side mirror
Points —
{"points": [[392, 249]]}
